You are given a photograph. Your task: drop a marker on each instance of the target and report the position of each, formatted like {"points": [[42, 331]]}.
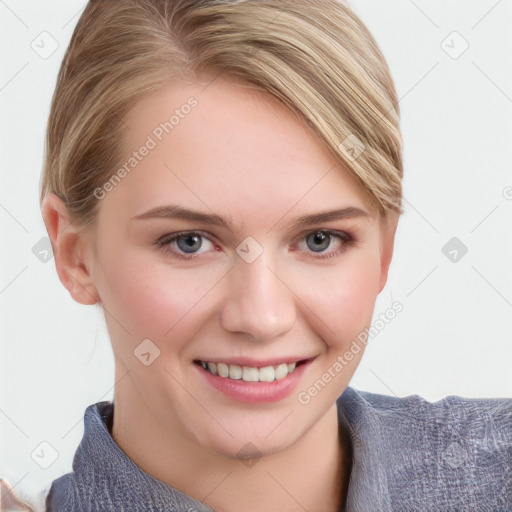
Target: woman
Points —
{"points": [[224, 179]]}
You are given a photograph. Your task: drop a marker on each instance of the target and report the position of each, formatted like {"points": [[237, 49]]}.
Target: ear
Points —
{"points": [[387, 242], [71, 250]]}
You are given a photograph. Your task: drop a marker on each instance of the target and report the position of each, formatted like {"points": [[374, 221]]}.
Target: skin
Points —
{"points": [[241, 155]]}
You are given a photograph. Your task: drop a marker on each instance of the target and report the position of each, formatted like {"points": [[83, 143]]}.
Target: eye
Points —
{"points": [[320, 240], [186, 244]]}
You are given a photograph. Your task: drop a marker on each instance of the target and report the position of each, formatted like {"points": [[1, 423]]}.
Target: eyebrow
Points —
{"points": [[180, 213]]}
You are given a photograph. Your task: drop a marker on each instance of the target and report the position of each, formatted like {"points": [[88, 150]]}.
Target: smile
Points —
{"points": [[250, 373], [253, 381]]}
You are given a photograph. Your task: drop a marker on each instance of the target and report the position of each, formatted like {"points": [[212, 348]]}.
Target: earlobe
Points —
{"points": [[69, 246], [388, 231]]}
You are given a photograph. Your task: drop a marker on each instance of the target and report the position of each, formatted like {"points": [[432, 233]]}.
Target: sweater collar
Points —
{"points": [[367, 489]]}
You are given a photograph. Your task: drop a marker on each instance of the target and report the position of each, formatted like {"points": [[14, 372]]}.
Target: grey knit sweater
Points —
{"points": [[408, 454]]}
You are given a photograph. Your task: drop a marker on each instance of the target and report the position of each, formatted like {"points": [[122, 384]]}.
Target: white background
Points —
{"points": [[454, 334]]}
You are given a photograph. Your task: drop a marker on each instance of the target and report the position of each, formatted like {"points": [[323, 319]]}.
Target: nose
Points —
{"points": [[259, 302]]}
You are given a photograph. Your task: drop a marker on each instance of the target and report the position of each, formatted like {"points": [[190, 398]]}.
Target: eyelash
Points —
{"points": [[346, 238]]}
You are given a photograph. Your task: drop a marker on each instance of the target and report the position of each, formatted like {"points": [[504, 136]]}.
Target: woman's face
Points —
{"points": [[255, 279]]}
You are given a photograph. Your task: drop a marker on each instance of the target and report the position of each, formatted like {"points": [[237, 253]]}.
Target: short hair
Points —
{"points": [[316, 57]]}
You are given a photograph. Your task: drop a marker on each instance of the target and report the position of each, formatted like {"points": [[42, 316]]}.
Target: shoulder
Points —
{"points": [[94, 478], [60, 494], [72, 491], [104, 478], [476, 414], [455, 450]]}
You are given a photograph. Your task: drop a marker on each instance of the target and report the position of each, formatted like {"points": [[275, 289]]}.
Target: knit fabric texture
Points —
{"points": [[408, 454]]}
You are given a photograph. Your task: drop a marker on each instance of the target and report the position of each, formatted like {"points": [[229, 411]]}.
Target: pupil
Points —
{"points": [[319, 238], [193, 242]]}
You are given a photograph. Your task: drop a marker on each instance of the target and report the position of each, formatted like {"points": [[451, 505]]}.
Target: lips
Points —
{"points": [[254, 381]]}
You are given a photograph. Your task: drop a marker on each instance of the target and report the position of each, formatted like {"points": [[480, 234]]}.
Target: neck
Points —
{"points": [[311, 474]]}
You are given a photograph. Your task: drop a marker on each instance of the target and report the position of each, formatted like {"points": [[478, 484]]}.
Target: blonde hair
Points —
{"points": [[316, 57]]}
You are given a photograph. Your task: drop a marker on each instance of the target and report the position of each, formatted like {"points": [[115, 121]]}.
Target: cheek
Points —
{"points": [[150, 298], [359, 290], [343, 298]]}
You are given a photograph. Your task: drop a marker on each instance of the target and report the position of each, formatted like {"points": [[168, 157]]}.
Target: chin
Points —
{"points": [[250, 439]]}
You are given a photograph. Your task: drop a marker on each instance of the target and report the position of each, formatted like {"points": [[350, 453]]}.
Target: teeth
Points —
{"points": [[281, 371], [250, 373], [235, 372], [212, 367], [267, 374], [222, 369]]}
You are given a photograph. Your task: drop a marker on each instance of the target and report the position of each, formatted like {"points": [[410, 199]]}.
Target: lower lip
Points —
{"points": [[255, 392]]}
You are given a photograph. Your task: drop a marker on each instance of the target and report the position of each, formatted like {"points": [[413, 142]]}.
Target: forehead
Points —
{"points": [[231, 149]]}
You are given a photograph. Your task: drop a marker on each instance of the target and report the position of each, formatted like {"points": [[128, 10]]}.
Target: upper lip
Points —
{"points": [[260, 363]]}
